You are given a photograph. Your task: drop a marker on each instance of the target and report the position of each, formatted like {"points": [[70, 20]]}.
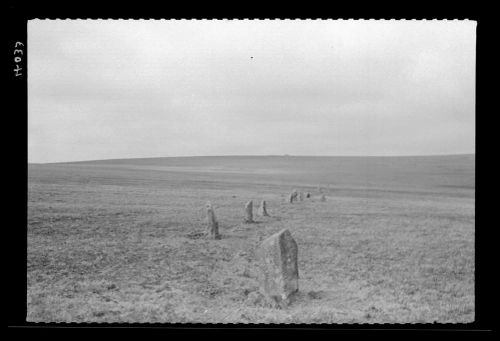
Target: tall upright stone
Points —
{"points": [[262, 211], [212, 223], [292, 196], [279, 273], [301, 196], [249, 212], [308, 195]]}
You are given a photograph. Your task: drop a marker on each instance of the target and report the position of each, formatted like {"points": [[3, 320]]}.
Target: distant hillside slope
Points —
{"points": [[450, 171]]}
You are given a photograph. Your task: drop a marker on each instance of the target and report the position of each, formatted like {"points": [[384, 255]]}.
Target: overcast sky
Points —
{"points": [[126, 89]]}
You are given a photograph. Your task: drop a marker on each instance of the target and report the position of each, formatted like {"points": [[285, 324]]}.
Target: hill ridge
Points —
{"points": [[258, 156]]}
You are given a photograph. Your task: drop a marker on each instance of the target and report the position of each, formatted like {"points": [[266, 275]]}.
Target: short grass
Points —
{"points": [[109, 242]]}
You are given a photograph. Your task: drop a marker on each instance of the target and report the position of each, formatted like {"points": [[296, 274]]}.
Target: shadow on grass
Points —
{"points": [[204, 236], [255, 222], [301, 297]]}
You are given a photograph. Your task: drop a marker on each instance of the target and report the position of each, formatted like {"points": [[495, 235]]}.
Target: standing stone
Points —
{"points": [[262, 209], [322, 198], [293, 196], [308, 195], [249, 212], [301, 196], [279, 273], [212, 223]]}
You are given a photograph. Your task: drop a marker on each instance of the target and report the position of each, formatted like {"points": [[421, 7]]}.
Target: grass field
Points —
{"points": [[120, 240]]}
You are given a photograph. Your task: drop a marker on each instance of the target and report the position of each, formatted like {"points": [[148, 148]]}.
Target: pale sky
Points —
{"points": [[102, 89]]}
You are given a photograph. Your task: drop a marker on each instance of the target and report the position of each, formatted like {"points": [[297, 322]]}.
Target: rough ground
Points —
{"points": [[121, 241]]}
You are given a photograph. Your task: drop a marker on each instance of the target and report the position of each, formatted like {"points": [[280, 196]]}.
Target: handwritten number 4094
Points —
{"points": [[18, 59]]}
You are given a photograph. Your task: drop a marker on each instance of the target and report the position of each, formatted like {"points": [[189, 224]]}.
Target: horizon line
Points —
{"points": [[248, 155]]}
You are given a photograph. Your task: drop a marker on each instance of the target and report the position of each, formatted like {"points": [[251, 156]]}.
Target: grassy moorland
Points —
{"points": [[121, 240]]}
